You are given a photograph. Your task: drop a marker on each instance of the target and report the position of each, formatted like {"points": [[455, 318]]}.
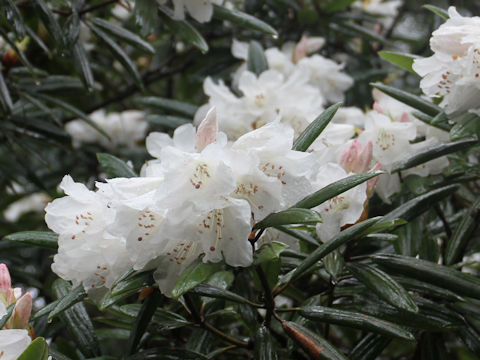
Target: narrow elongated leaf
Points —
{"points": [[74, 296], [343, 237], [402, 60], [268, 252], [14, 17], [15, 48], [168, 121], [468, 126], [183, 29], [313, 130], [135, 283], [427, 119], [384, 286], [412, 100], [146, 16], [38, 40], [257, 62], [115, 167], [44, 239], [6, 317], [300, 235], [432, 347], [439, 11], [359, 31], [37, 350], [355, 320], [369, 348], [241, 19], [289, 216], [167, 354], [264, 349], [45, 310], [412, 208], [193, 275], [82, 64], [78, 322], [331, 6], [50, 22], [122, 33], [442, 276], [433, 152], [334, 189], [470, 337], [5, 98], [316, 346], [119, 55], [141, 322], [217, 293], [176, 106], [462, 233]]}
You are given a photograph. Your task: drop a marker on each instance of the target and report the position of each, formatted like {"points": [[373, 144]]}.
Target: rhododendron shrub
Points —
{"points": [[209, 179]]}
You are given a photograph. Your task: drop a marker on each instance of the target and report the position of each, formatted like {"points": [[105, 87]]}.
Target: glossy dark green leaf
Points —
{"points": [[50, 22], [5, 99], [57, 355], [300, 235], [120, 55], [334, 189], [470, 337], [412, 208], [45, 310], [360, 31], [74, 296], [383, 285], [264, 348], [175, 106], [369, 348], [142, 321], [408, 238], [437, 10], [183, 29], [351, 233], [77, 321], [462, 233], [289, 216], [467, 126], [269, 252], [193, 275], [402, 60], [14, 17], [115, 167], [331, 6], [44, 239], [316, 346], [313, 130], [355, 320], [242, 19], [257, 62], [146, 16], [167, 354], [124, 34], [442, 276], [82, 64], [427, 119], [432, 347], [433, 152], [37, 350], [217, 293], [409, 99], [6, 317], [124, 289], [38, 40]]}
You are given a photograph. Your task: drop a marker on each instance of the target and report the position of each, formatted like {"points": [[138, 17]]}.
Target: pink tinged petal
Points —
{"points": [[405, 117], [373, 182], [364, 158], [22, 312], [5, 284], [300, 50], [350, 155], [207, 130], [377, 107]]}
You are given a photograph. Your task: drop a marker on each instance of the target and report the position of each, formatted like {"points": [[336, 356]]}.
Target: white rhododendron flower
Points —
{"points": [[453, 71], [30, 203], [200, 10], [13, 343], [124, 129]]}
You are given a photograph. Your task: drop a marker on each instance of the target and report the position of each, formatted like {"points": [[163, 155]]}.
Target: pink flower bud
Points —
{"points": [[300, 50], [357, 159], [405, 118], [377, 107], [207, 130], [21, 312], [6, 292]]}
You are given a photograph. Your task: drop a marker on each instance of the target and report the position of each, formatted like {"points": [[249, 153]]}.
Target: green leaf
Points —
{"points": [[331, 6], [442, 276], [114, 167], [15, 48], [384, 286], [74, 296], [146, 17], [124, 289], [370, 347], [217, 293], [50, 22], [193, 275], [351, 233], [38, 40], [175, 106], [356, 321], [37, 350], [44, 239], [167, 354], [268, 252], [468, 126], [359, 31], [470, 337], [6, 317], [427, 289], [257, 62], [432, 347], [408, 238], [82, 64], [314, 129], [77, 321], [5, 99], [313, 344], [429, 120], [45, 310], [300, 235], [334, 189], [183, 29], [124, 34], [439, 11], [142, 320], [264, 349], [409, 99], [402, 60], [289, 216], [167, 121], [242, 19], [462, 234], [13, 17], [418, 205], [119, 55], [433, 152]]}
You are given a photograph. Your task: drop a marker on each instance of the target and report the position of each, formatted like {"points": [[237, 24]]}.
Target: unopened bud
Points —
{"points": [[6, 292], [21, 312], [207, 130]]}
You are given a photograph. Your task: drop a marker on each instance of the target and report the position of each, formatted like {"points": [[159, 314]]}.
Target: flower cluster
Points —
{"points": [[14, 337], [452, 73], [200, 196]]}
